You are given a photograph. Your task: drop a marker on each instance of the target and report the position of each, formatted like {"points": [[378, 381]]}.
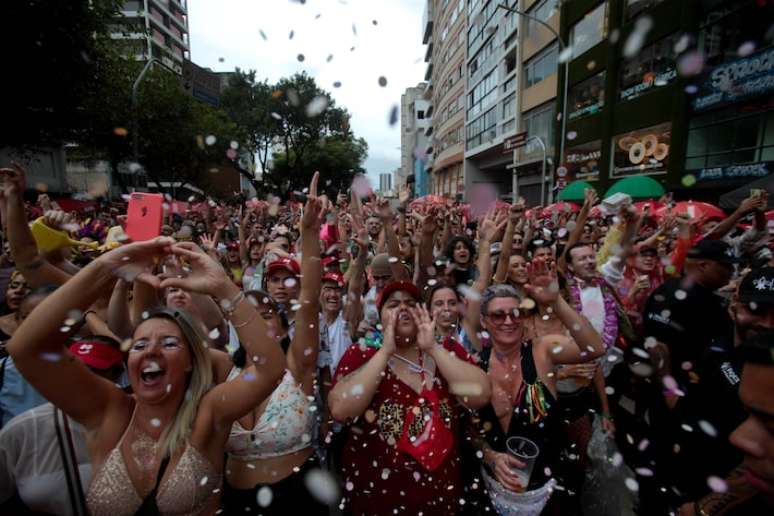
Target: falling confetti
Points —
{"points": [[316, 106], [329, 58], [300, 58], [322, 486], [394, 115], [746, 48], [636, 39], [717, 484], [265, 496], [210, 140], [690, 63], [263, 35], [120, 131], [382, 81], [156, 422], [337, 84]]}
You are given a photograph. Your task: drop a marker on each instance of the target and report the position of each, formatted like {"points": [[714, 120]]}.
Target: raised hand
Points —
{"points": [[314, 209], [383, 210], [488, 227], [404, 195], [543, 285], [57, 219], [590, 197], [425, 327], [14, 179], [135, 261], [389, 321], [205, 276]]}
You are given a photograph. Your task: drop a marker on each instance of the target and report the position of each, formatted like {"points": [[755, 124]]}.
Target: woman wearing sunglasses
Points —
{"points": [[402, 392], [161, 449], [522, 371]]}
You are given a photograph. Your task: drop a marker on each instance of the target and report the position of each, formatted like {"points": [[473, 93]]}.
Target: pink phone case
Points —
{"points": [[144, 216]]}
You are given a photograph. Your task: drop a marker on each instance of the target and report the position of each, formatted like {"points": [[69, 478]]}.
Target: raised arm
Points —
{"points": [[352, 394], [729, 223], [302, 358], [514, 218], [24, 249], [585, 344], [589, 200], [119, 320], [38, 346], [384, 211], [228, 401], [468, 382]]}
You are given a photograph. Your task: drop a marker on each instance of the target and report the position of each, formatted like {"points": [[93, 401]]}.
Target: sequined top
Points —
{"points": [[285, 426], [187, 489]]}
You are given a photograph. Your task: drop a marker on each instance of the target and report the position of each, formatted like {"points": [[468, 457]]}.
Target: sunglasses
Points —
{"points": [[499, 317]]}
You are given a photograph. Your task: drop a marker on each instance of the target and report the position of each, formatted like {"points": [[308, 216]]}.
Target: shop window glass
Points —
{"points": [[589, 31], [652, 67], [641, 152], [587, 97]]}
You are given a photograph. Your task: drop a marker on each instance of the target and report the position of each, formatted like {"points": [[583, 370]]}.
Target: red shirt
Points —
{"points": [[378, 478]]}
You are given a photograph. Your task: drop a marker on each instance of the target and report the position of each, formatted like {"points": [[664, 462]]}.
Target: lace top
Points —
{"points": [[187, 489], [285, 426]]}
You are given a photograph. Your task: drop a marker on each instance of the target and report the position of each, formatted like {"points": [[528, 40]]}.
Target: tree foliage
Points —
{"points": [[294, 123]]}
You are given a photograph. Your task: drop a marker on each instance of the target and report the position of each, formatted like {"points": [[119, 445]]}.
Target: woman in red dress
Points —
{"points": [[402, 393]]}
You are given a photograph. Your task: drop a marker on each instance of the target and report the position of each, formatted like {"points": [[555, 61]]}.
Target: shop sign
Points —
{"points": [[641, 152], [751, 170], [582, 161], [649, 81], [737, 80]]}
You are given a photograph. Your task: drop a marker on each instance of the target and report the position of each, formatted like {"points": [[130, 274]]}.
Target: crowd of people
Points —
{"points": [[341, 353]]}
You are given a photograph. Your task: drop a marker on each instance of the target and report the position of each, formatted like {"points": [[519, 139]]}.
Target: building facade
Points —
{"points": [[688, 101], [445, 36], [414, 121], [156, 28]]}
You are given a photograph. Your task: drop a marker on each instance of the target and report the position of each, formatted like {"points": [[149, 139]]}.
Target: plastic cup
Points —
{"points": [[525, 451]]}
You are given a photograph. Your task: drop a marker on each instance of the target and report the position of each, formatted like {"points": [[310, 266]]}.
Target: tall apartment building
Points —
{"points": [[445, 35], [414, 120], [511, 75], [157, 28], [385, 183], [702, 127]]}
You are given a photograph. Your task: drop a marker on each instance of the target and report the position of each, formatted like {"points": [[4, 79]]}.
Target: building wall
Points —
{"points": [[413, 141], [648, 100], [165, 23]]}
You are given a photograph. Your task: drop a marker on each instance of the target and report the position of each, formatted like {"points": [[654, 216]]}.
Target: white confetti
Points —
{"points": [[717, 484], [322, 486], [316, 106], [156, 422], [632, 485], [265, 496]]}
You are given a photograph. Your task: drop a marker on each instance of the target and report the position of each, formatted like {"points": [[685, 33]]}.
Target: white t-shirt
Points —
{"points": [[334, 342], [593, 307], [31, 462]]}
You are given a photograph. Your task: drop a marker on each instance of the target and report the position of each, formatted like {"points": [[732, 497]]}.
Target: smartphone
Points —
{"points": [[144, 216], [756, 192]]}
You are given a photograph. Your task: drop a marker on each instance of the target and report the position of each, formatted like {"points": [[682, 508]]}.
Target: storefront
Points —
{"points": [[582, 162], [641, 152]]}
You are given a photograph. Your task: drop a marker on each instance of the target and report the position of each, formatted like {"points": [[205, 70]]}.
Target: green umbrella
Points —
{"points": [[638, 187], [574, 191]]}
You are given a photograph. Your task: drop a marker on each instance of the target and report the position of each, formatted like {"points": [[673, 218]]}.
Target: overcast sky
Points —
{"points": [[227, 33]]}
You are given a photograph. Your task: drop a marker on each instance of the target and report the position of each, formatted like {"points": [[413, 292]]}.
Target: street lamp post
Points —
{"points": [[563, 48], [135, 88]]}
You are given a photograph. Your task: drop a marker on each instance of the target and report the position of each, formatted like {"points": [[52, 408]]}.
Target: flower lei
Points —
{"points": [[610, 327]]}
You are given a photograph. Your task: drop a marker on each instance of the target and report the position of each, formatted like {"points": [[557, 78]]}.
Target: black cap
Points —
{"points": [[758, 286], [715, 250]]}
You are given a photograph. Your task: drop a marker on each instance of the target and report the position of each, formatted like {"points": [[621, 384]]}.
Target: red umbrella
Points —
{"points": [[654, 206], [694, 210], [559, 207]]}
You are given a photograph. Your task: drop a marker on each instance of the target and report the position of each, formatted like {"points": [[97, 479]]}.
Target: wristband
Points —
{"points": [[228, 306]]}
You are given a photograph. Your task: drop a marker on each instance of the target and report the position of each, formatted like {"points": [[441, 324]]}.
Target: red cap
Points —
{"points": [[330, 262], [288, 264], [233, 246], [97, 354], [335, 277], [405, 286]]}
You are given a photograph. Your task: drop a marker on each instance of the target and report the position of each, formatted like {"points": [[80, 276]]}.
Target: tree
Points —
{"points": [[337, 158], [291, 121], [50, 57]]}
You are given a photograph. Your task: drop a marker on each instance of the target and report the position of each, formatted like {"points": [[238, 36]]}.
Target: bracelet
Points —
{"points": [[248, 321], [229, 306]]}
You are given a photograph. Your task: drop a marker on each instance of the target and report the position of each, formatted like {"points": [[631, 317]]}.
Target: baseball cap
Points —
{"points": [[405, 286], [97, 352], [715, 250], [330, 262], [335, 277], [758, 286], [288, 264], [380, 265]]}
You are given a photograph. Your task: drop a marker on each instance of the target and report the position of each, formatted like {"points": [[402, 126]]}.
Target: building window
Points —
{"points": [[509, 85], [651, 68], [477, 23], [641, 152], [634, 8], [589, 31], [729, 137], [731, 24], [482, 129], [509, 107], [542, 11], [540, 66], [420, 115], [582, 161], [587, 97], [484, 94], [540, 122]]}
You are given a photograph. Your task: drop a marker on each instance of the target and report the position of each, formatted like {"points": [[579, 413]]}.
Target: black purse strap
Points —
{"points": [[149, 507], [70, 463]]}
